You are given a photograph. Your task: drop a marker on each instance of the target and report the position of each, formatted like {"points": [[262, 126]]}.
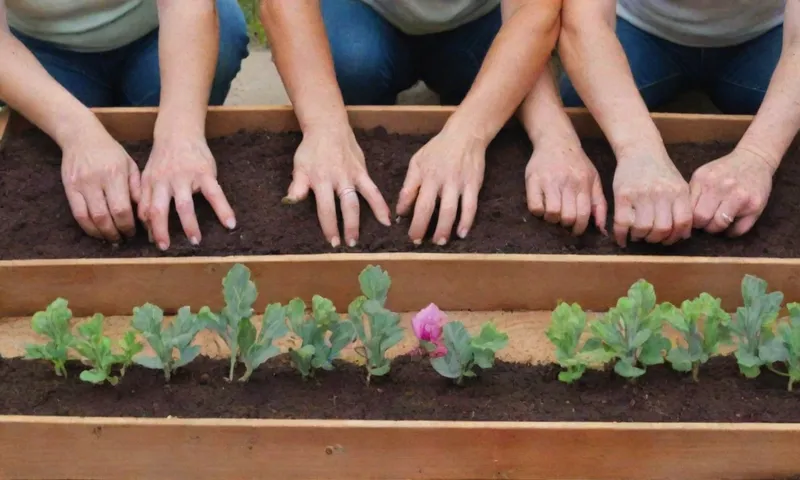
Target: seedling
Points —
{"points": [[254, 349], [752, 324], [240, 294], [54, 323], [566, 329], [148, 320], [382, 330], [785, 348], [465, 352], [631, 332], [318, 349], [96, 351], [700, 343]]}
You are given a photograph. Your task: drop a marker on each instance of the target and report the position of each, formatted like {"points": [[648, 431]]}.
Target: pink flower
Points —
{"points": [[427, 326]]}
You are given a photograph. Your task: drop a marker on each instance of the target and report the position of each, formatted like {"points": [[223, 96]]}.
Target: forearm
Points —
{"points": [[543, 116], [598, 68], [301, 52], [512, 66], [188, 46]]}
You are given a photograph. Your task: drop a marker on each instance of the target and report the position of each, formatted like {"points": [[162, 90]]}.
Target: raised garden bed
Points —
{"points": [[665, 429]]}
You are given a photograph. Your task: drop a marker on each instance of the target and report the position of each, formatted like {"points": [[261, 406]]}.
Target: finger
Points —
{"points": [[469, 208], [706, 206], [599, 206], [212, 191], [184, 204], [645, 217], [662, 222], [298, 189], [552, 204], [569, 207], [535, 198], [423, 210], [583, 213], [81, 213], [742, 225], [448, 209], [118, 197], [159, 214], [624, 215], [681, 220], [725, 215], [373, 196], [134, 181], [348, 201], [326, 212], [409, 192], [101, 217]]}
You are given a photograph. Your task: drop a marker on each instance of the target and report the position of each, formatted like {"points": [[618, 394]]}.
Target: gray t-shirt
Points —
{"points": [[422, 17], [703, 23]]}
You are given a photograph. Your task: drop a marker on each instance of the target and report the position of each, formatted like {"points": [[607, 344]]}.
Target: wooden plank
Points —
{"points": [[453, 281], [94, 448]]}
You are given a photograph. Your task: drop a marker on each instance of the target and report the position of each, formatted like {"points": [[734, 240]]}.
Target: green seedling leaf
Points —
{"points": [[95, 348], [699, 344], [172, 344], [53, 323], [465, 352], [257, 349], [781, 354], [322, 337], [752, 325]]}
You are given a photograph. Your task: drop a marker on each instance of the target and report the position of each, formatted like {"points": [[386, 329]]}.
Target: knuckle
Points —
{"points": [[100, 217], [119, 211]]}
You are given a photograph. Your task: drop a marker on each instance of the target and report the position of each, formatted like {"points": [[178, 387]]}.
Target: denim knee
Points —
{"points": [[363, 77], [233, 43]]}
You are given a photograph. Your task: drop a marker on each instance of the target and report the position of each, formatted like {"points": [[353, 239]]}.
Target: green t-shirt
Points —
{"points": [[84, 25], [422, 17]]}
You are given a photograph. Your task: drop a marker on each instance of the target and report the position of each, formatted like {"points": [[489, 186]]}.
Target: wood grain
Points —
{"points": [[93, 448]]}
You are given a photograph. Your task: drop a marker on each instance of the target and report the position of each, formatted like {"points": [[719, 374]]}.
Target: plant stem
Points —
{"points": [[776, 372], [233, 366], [696, 371]]}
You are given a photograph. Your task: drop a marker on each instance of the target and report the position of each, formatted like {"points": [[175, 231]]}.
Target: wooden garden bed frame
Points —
{"points": [[54, 447]]}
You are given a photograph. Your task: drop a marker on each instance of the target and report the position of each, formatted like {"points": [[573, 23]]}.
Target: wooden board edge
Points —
{"points": [[5, 115], [174, 448]]}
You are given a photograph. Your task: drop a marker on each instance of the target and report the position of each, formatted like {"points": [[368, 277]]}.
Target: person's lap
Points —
{"points": [[130, 76], [375, 61]]}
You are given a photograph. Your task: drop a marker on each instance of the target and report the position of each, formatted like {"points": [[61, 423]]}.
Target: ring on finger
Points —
{"points": [[726, 217], [346, 191]]}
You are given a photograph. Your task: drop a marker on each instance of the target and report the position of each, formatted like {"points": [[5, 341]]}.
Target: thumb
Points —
{"points": [[599, 206], [298, 190]]}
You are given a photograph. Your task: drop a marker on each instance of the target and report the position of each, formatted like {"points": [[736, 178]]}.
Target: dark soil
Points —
{"points": [[509, 392], [255, 171]]}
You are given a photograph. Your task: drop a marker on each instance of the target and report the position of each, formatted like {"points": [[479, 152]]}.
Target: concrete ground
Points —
{"points": [[258, 83]]}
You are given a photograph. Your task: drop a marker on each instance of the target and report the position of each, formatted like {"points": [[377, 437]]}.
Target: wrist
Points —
{"points": [[461, 127], [176, 122], [71, 129], [757, 153]]}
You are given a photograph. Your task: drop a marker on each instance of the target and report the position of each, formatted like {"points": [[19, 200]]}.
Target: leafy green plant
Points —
{"points": [[240, 294], [753, 323], [631, 331], [785, 347], [567, 325], [322, 337], [255, 349], [465, 352], [95, 348], [382, 330], [148, 320], [700, 343], [53, 323]]}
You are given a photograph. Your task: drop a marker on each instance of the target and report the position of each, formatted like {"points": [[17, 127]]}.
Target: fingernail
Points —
{"points": [[231, 223], [351, 243], [386, 221], [463, 233], [162, 246], [441, 242], [335, 242], [195, 241], [418, 242], [288, 201]]}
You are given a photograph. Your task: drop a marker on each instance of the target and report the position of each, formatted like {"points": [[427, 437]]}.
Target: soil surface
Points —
{"points": [[255, 172], [509, 392]]}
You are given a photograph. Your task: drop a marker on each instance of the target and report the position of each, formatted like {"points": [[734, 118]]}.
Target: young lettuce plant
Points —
{"points": [[700, 344], [255, 349], [382, 330], [53, 323], [96, 350], [752, 324], [631, 331], [567, 325], [322, 337], [148, 320], [785, 348]]}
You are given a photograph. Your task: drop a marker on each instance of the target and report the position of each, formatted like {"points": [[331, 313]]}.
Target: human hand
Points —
{"points": [[180, 166], [449, 166], [563, 187], [730, 193], [330, 161], [100, 178], [651, 200]]}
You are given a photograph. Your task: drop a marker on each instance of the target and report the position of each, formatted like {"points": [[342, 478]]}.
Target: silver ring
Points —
{"points": [[346, 191], [726, 217]]}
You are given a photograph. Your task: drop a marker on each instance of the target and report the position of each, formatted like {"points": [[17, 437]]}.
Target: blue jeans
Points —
{"points": [[375, 61], [736, 78], [129, 76]]}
